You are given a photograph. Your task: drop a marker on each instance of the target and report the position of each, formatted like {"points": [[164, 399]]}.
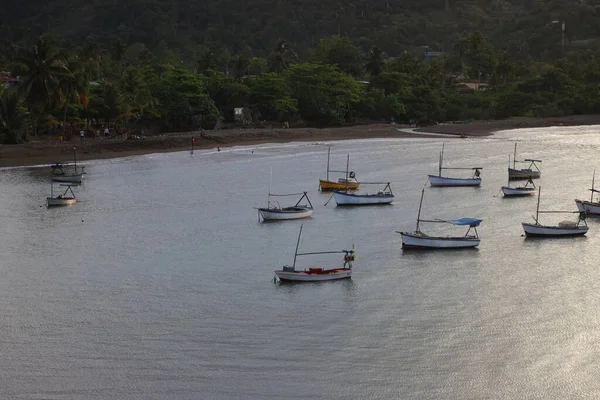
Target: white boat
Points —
{"points": [[275, 212], [564, 228], [531, 172], [384, 196], [590, 207], [420, 240], [439, 180], [317, 274], [67, 198], [519, 191], [71, 178], [60, 175]]}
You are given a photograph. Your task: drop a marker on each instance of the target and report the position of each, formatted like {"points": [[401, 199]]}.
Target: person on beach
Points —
{"points": [[106, 133], [82, 135]]}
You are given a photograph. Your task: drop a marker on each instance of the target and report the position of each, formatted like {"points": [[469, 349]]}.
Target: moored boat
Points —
{"points": [[531, 172], [67, 198], [58, 173], [519, 191], [317, 274], [420, 240], [348, 182], [344, 198], [275, 212], [439, 180], [564, 228], [590, 207]]}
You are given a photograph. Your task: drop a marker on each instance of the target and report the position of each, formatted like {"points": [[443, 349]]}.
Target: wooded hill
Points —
{"points": [[169, 66], [520, 27]]}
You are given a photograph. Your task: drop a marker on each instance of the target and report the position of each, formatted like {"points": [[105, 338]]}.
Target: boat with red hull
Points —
{"points": [[317, 274]]}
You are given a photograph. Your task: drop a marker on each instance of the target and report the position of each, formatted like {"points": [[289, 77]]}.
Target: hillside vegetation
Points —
{"points": [[170, 65], [521, 27]]}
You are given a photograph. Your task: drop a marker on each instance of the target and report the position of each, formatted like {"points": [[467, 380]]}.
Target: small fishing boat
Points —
{"points": [[420, 240], [60, 175], [590, 207], [384, 196], [564, 228], [526, 190], [519, 191], [274, 212], [349, 181], [67, 197], [439, 180], [531, 172], [317, 274]]}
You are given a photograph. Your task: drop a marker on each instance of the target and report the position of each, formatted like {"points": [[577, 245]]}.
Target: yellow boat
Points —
{"points": [[349, 182], [326, 185]]}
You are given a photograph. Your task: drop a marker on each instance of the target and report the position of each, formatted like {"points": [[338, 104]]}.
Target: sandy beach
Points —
{"points": [[49, 151]]}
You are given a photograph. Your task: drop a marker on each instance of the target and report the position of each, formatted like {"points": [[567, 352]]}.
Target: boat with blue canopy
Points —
{"points": [[420, 240]]}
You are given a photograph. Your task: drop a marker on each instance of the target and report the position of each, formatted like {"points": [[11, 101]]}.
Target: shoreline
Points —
{"points": [[50, 151]]}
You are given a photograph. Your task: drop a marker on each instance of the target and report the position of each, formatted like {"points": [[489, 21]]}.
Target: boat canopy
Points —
{"points": [[466, 221]]}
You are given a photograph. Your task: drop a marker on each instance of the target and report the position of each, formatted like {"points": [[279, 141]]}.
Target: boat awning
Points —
{"points": [[466, 221]]}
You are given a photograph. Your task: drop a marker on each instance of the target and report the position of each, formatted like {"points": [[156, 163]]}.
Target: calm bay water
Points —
{"points": [[158, 282]]}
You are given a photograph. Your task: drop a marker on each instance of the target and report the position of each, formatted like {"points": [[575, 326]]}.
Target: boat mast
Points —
{"points": [[420, 204], [297, 244], [537, 210], [514, 158], [328, 153], [347, 166], [441, 160], [269, 195], [508, 177], [592, 194]]}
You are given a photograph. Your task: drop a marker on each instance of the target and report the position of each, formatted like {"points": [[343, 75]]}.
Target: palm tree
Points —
{"points": [[13, 116], [505, 67], [74, 86], [281, 57], [41, 66], [206, 61], [241, 66], [109, 106], [376, 61], [136, 93]]}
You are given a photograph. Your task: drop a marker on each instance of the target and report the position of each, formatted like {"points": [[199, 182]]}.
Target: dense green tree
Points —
{"points": [[341, 52], [272, 96], [136, 92], [393, 83], [107, 105], [405, 63], [13, 116], [281, 57], [206, 61], [376, 62], [74, 86], [41, 67], [181, 96], [324, 94]]}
